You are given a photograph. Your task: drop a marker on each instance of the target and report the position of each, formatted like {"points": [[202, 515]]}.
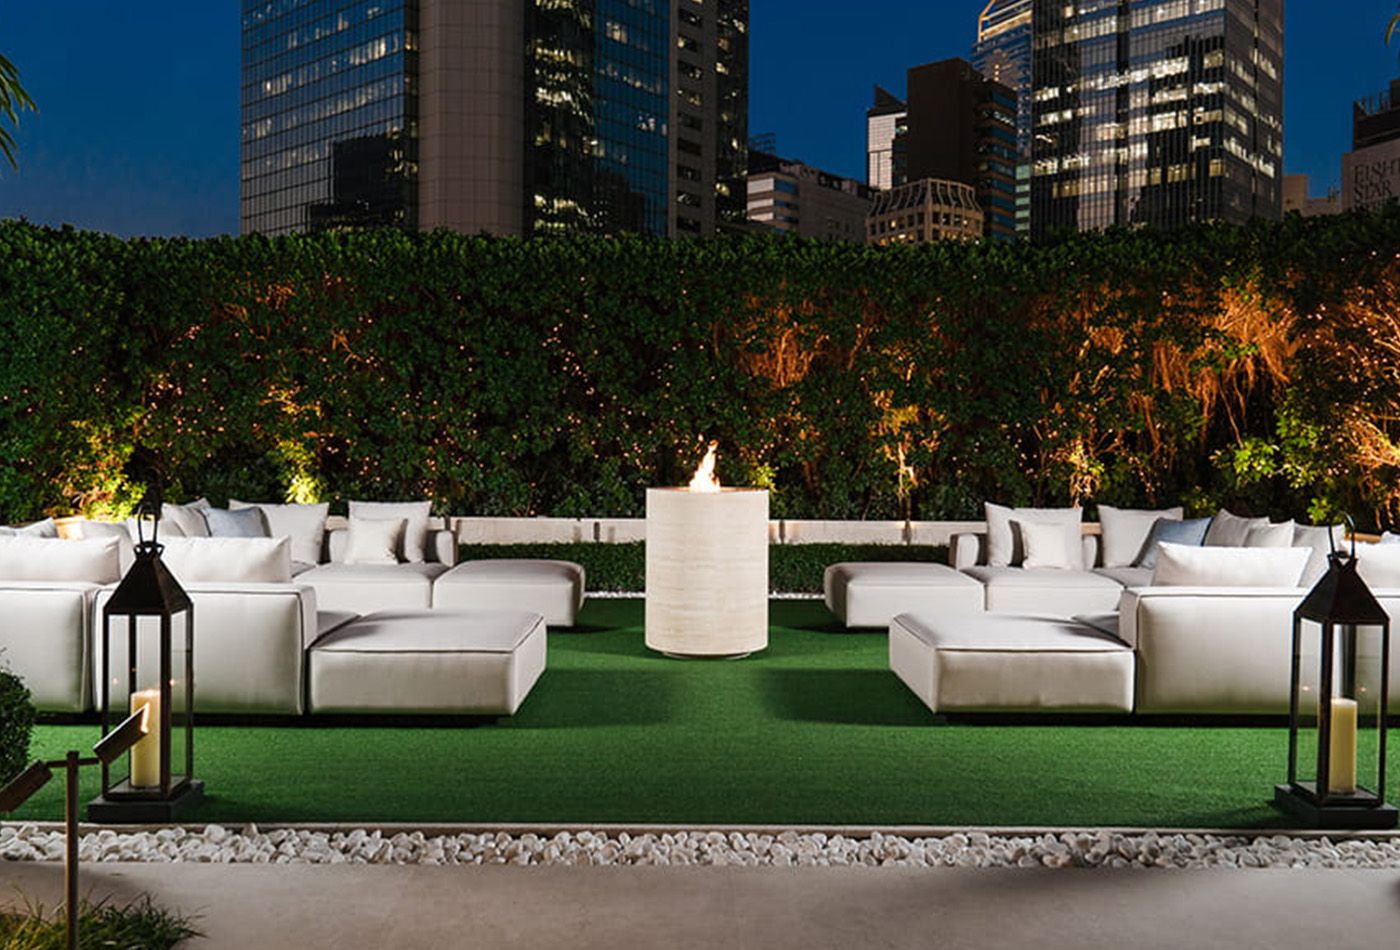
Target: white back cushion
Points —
{"points": [[304, 525], [49, 559], [1271, 535], [187, 518], [414, 513], [1378, 564], [1125, 532], [1228, 530], [1319, 540], [1004, 544], [233, 560], [1181, 565], [98, 530]]}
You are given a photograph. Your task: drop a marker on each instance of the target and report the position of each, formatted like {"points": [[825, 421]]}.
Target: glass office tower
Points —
{"points": [[328, 114], [1002, 53], [1156, 112]]}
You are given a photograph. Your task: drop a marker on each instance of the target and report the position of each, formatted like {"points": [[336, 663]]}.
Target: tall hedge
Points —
{"points": [[1257, 366]]}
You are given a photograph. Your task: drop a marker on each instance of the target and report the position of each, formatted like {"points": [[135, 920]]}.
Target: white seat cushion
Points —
{"points": [[1127, 576], [365, 588], [554, 589], [429, 661], [1046, 592], [1004, 663], [871, 593]]}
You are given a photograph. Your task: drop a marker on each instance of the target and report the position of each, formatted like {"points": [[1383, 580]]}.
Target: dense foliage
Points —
{"points": [[1257, 366], [16, 725]]}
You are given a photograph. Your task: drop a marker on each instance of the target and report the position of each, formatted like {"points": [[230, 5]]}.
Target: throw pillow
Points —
{"points": [[224, 523], [229, 560], [305, 525], [415, 514], [188, 518], [1125, 532], [1271, 536], [1191, 533], [1379, 565], [1180, 565], [50, 559], [99, 530], [1228, 530], [1044, 545], [47, 528], [375, 541], [1005, 547], [1319, 541], [168, 529]]}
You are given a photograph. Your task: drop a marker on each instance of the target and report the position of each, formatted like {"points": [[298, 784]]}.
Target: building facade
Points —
{"points": [[1157, 112], [1371, 170], [1002, 53], [886, 124], [923, 211], [1297, 197], [792, 198], [499, 116]]}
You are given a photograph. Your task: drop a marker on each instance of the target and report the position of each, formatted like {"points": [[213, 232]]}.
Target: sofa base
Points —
{"points": [[1343, 817]]}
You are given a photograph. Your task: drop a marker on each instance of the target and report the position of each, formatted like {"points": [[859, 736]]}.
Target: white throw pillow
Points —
{"points": [[1183, 565], [1229, 531], [414, 513], [1378, 565], [374, 541], [50, 559], [1044, 545], [1004, 544], [1125, 532], [1271, 535], [1316, 540], [98, 530], [229, 560], [305, 525], [187, 518]]}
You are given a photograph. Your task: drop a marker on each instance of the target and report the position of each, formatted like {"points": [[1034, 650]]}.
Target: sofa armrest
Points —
{"points": [[442, 547], [967, 550]]}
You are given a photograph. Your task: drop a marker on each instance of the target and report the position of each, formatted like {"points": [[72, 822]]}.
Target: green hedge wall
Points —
{"points": [[1256, 366]]}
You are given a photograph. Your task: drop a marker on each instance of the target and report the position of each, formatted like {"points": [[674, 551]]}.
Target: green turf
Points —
{"points": [[813, 730]]}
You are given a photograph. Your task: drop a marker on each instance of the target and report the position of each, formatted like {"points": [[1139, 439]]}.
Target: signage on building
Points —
{"points": [[1371, 175]]}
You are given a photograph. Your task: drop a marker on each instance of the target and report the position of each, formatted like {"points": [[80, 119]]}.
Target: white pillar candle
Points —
{"points": [[1341, 774], [145, 754], [707, 571]]}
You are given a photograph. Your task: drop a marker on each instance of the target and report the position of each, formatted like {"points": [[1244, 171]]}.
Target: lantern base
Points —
{"points": [[137, 811], [1344, 817]]}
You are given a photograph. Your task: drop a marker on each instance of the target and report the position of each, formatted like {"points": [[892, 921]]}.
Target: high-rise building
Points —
{"points": [[885, 126], [1156, 112], [1371, 170], [1002, 53], [506, 116], [793, 198], [930, 209], [1297, 197]]}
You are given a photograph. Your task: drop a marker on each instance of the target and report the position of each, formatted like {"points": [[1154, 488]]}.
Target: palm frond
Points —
{"points": [[13, 99]]}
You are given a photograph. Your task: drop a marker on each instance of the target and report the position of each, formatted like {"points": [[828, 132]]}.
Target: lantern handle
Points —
{"points": [[143, 508]]}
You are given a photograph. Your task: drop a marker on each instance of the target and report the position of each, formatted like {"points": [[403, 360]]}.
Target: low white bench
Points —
{"points": [[1010, 663], [554, 589], [871, 594], [428, 661]]}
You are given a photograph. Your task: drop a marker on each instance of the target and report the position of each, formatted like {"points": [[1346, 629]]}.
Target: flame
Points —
{"points": [[705, 478]]}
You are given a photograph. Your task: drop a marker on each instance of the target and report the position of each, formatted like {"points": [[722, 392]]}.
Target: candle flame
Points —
{"points": [[705, 478]]}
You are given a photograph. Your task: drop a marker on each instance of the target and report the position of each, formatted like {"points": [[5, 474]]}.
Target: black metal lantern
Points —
{"points": [[147, 662], [1337, 717]]}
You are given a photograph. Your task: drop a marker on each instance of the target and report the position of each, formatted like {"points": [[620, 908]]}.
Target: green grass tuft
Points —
{"points": [[140, 925]]}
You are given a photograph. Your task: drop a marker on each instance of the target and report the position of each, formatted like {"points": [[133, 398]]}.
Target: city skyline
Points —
{"points": [[115, 148]]}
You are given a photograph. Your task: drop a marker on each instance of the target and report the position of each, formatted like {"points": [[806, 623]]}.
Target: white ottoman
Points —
{"points": [[1006, 663], [428, 661], [552, 588], [871, 594]]}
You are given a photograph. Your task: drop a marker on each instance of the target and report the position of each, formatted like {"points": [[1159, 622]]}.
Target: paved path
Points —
{"points": [[736, 909]]}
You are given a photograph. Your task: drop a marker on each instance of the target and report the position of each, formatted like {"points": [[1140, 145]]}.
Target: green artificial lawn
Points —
{"points": [[814, 730]]}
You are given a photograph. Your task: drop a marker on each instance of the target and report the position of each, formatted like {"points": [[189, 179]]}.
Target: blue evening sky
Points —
{"points": [[138, 124]]}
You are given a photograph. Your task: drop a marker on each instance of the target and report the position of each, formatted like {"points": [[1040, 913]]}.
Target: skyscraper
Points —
{"points": [[1002, 53], [505, 116], [885, 124], [1158, 112]]}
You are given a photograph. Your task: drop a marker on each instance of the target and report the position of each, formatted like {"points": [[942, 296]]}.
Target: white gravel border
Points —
{"points": [[1088, 848]]}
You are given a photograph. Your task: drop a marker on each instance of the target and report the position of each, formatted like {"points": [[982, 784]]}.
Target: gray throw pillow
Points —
{"points": [[1192, 532], [245, 523]]}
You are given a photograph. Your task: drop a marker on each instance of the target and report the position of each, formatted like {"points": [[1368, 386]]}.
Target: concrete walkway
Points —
{"points": [[680, 908]]}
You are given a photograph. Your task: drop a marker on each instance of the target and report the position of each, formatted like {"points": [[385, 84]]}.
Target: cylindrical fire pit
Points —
{"points": [[707, 571]]}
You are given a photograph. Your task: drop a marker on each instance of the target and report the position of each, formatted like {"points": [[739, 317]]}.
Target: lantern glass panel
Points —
{"points": [[1353, 739], [180, 697]]}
